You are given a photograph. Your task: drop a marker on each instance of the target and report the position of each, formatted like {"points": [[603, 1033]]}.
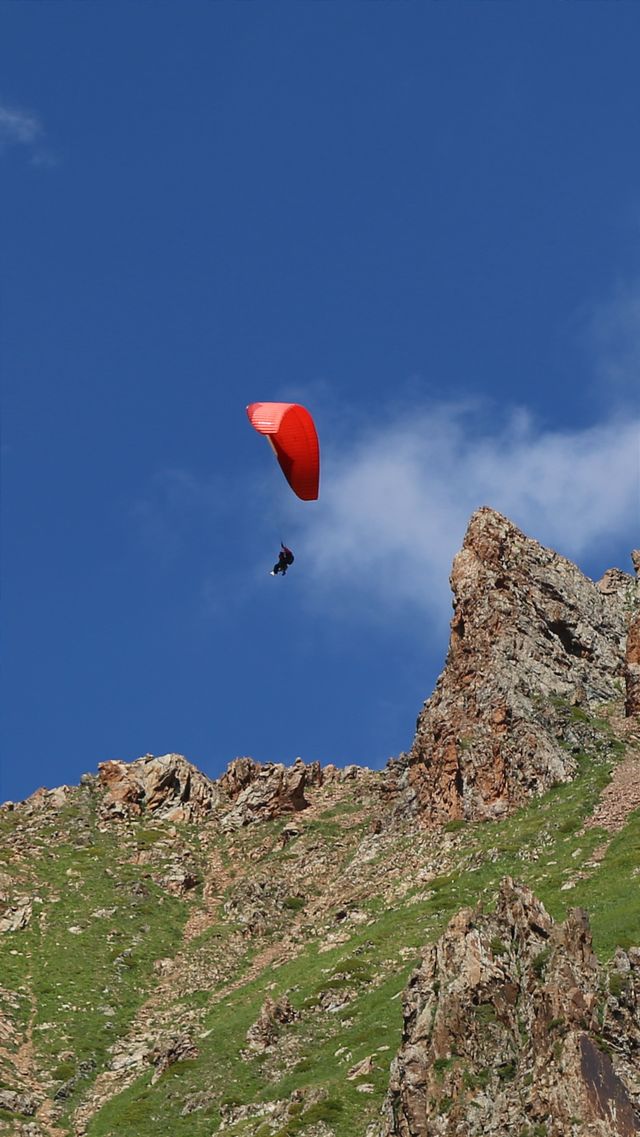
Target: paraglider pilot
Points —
{"points": [[285, 558]]}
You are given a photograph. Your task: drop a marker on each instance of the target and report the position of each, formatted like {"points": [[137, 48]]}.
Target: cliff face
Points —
{"points": [[530, 635], [511, 1023], [632, 655], [190, 957]]}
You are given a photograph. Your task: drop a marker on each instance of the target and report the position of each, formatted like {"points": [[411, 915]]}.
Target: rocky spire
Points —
{"points": [[512, 1026], [632, 659], [530, 635]]}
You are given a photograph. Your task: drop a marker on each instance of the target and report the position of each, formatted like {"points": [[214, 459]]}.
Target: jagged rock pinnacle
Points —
{"points": [[529, 632], [503, 1030]]}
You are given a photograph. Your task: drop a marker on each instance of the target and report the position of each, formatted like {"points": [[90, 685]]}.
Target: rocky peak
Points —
{"points": [[260, 793], [511, 1023], [529, 633], [172, 788], [238, 775], [168, 786]]}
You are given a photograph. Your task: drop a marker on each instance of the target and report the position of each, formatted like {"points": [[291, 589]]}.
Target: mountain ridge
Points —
{"points": [[194, 955]]}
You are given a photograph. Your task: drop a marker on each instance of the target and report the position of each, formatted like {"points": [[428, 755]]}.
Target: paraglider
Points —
{"points": [[291, 432], [285, 558]]}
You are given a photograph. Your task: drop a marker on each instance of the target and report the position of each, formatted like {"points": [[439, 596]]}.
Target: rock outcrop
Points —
{"points": [[265, 1032], [632, 658], [529, 635], [15, 916], [168, 787], [632, 670], [511, 1026], [261, 793], [171, 788]]}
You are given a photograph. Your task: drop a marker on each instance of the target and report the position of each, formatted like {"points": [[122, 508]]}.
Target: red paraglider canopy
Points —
{"points": [[290, 430]]}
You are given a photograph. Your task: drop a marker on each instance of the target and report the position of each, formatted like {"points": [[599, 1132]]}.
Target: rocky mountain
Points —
{"points": [[446, 946], [529, 631], [511, 1020]]}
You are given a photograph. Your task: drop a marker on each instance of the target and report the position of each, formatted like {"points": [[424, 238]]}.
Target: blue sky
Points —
{"points": [[422, 220]]}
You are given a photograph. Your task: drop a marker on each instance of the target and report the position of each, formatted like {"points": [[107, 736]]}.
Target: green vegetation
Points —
{"points": [[294, 903], [540, 962], [498, 947], [477, 1081], [613, 905], [89, 965], [549, 827]]}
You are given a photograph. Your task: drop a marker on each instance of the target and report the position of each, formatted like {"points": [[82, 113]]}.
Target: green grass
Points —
{"points": [[541, 845], [611, 895], [371, 1023], [75, 976]]}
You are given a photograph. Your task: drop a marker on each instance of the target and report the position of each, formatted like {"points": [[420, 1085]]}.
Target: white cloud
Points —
{"points": [[395, 504], [18, 126], [614, 334], [22, 128]]}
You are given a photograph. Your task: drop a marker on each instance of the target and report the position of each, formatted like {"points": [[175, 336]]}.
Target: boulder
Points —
{"points": [[15, 916]]}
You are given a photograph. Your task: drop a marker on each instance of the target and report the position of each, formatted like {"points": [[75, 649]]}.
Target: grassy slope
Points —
{"points": [[543, 845]]}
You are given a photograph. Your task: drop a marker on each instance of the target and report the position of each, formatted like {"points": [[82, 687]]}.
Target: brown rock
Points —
{"points": [[361, 1069], [274, 790], [168, 787], [264, 1033], [239, 774], [529, 631], [177, 1048], [632, 669], [179, 879], [503, 1029]]}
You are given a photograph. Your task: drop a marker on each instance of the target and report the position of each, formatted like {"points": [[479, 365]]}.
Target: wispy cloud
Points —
{"points": [[397, 492], [396, 497], [395, 503], [614, 335], [19, 127]]}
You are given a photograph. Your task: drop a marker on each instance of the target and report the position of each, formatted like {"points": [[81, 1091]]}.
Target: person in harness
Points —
{"points": [[285, 558]]}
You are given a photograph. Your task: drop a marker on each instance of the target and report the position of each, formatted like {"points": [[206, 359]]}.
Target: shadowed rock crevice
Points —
{"points": [[569, 641]]}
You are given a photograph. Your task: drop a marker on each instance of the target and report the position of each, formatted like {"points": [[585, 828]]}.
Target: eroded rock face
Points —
{"points": [[169, 787], [238, 775], [632, 656], [176, 1048], [510, 1023], [14, 917], [529, 632], [264, 792], [265, 1031], [632, 670]]}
